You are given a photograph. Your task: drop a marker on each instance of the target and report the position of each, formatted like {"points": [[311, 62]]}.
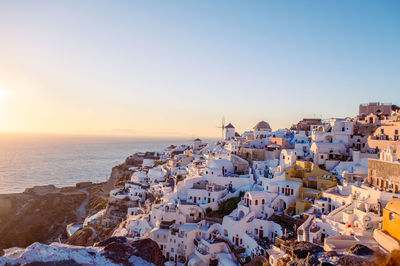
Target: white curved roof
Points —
{"points": [[217, 164]]}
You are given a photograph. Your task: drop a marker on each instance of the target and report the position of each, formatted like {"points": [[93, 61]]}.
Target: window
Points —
{"points": [[256, 202], [263, 201], [391, 216], [396, 132], [382, 131]]}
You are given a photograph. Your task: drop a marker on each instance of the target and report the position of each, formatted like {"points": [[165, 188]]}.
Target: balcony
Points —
{"points": [[180, 251], [201, 251]]}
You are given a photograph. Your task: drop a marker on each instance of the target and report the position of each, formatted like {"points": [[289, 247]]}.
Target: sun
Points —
{"points": [[4, 93]]}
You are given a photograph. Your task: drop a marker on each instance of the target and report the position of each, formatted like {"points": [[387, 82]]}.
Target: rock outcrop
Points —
{"points": [[119, 251], [308, 261], [350, 260], [302, 249], [41, 213], [86, 236], [360, 250], [37, 217]]}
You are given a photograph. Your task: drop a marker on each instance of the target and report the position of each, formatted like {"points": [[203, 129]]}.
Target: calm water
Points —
{"points": [[30, 160]]}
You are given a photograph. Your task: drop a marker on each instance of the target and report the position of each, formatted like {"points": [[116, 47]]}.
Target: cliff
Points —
{"points": [[41, 213], [35, 217]]}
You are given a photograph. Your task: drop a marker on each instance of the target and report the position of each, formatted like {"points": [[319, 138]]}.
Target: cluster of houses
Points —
{"points": [[332, 182]]}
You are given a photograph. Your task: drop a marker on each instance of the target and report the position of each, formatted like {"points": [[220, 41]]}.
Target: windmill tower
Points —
{"points": [[222, 127]]}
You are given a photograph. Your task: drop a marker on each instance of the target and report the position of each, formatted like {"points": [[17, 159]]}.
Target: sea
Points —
{"points": [[27, 160]]}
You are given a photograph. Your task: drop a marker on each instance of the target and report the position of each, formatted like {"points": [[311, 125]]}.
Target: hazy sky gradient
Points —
{"points": [[176, 67]]}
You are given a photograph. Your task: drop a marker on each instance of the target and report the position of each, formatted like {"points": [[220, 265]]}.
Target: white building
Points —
{"points": [[206, 194], [229, 132]]}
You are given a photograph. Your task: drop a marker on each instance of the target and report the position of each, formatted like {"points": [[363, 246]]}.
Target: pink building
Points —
{"points": [[377, 108]]}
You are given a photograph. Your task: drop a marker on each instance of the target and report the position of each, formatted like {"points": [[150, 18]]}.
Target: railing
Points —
{"points": [[201, 251], [375, 103]]}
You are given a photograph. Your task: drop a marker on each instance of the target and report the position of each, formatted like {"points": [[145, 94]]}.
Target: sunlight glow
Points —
{"points": [[4, 93]]}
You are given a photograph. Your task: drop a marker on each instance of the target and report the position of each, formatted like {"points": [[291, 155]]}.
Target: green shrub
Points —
{"points": [[227, 206]]}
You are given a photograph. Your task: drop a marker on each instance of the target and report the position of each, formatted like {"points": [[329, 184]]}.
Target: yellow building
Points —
{"points": [[314, 181], [391, 219], [389, 237]]}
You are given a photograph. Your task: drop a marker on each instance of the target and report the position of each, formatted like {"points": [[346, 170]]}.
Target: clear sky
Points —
{"points": [[174, 68]]}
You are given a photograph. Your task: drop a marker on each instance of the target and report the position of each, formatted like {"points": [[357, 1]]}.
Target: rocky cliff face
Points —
{"points": [[36, 217], [115, 210], [120, 250], [41, 214]]}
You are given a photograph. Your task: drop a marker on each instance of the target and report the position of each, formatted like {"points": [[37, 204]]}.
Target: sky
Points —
{"points": [[175, 68]]}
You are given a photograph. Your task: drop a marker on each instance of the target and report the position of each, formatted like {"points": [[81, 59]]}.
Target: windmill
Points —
{"points": [[222, 127]]}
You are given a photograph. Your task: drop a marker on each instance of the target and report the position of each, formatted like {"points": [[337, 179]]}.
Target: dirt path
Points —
{"points": [[82, 209]]}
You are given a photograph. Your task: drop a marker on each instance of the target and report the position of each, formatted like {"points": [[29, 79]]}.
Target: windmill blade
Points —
{"points": [[223, 127]]}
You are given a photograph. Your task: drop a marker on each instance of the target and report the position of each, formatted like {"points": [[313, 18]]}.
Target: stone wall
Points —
{"points": [[387, 172]]}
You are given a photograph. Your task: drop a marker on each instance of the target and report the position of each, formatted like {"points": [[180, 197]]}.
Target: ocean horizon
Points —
{"points": [[28, 160]]}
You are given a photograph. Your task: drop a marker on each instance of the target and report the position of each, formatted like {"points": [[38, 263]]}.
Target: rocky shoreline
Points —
{"points": [[42, 213], [33, 227]]}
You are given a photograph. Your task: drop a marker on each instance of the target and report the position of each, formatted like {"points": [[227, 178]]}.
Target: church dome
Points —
{"points": [[262, 126], [393, 205]]}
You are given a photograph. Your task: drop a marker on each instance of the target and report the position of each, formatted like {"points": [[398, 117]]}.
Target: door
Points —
{"points": [[261, 233], [237, 241], [195, 199], [209, 200]]}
